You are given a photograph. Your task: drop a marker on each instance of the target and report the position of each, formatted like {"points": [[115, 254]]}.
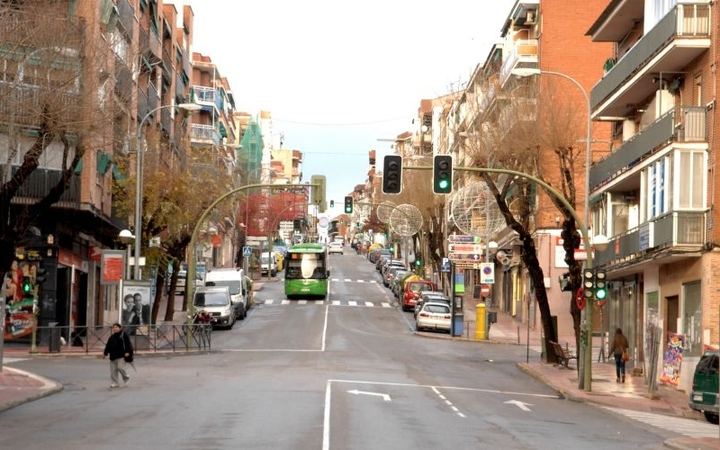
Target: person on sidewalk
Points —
{"points": [[619, 350], [119, 349]]}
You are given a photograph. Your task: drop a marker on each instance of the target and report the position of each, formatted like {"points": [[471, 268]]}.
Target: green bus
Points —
{"points": [[306, 271]]}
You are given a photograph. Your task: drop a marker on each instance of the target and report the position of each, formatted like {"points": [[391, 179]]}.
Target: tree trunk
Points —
{"points": [[159, 288], [170, 307]]}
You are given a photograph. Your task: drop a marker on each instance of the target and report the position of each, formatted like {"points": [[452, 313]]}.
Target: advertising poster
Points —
{"points": [[672, 359], [136, 304], [19, 302]]}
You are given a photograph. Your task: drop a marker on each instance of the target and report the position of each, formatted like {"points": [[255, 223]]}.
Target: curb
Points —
{"points": [[98, 354], [561, 392], [686, 443], [51, 387]]}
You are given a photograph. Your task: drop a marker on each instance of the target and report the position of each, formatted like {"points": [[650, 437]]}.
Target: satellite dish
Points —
{"points": [[475, 212], [406, 220], [384, 210]]}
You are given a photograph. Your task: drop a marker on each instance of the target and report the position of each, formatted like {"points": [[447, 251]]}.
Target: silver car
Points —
{"points": [[215, 301], [433, 316]]}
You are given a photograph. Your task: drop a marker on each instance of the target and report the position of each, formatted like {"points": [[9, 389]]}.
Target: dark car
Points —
{"points": [[704, 395]]}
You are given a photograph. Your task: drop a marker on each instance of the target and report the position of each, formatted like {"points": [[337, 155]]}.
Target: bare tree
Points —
{"points": [[51, 105]]}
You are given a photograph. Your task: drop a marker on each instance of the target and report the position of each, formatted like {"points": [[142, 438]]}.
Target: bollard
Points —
{"points": [[481, 322]]}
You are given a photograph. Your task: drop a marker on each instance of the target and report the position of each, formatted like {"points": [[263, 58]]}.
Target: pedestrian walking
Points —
{"points": [[620, 352], [120, 350]]}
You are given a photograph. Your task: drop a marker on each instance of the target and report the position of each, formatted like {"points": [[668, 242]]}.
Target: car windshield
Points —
{"points": [[419, 287], [437, 309], [233, 285], [211, 299]]}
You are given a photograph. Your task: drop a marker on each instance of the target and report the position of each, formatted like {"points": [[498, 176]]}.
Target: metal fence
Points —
{"points": [[166, 337]]}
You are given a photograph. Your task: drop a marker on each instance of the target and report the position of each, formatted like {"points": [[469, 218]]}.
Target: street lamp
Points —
{"points": [[586, 380], [139, 178], [126, 238]]}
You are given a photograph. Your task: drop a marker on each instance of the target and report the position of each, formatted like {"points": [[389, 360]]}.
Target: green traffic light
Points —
{"points": [[601, 294], [443, 184]]}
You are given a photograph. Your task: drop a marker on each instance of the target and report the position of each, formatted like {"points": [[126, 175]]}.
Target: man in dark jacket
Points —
{"points": [[119, 349]]}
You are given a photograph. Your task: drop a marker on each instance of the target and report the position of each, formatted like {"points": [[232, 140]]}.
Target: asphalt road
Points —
{"points": [[346, 373]]}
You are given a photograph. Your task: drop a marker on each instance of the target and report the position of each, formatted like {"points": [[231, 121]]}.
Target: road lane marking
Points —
{"points": [[319, 302], [448, 402], [286, 302], [335, 279], [352, 303], [371, 304], [269, 302], [385, 305], [360, 281], [326, 418], [519, 404], [385, 397], [302, 302], [336, 302], [327, 308], [453, 388], [348, 280]]}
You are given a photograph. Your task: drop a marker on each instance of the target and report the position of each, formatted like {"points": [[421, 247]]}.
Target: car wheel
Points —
{"points": [[711, 417], [273, 273]]}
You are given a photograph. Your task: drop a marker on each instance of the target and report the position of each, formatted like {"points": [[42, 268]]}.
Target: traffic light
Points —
{"points": [[348, 205], [600, 285], [40, 275], [588, 283], [317, 191], [442, 174], [332, 203], [26, 287], [392, 174]]}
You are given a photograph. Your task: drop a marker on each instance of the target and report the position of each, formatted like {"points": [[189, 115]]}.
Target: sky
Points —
{"points": [[340, 76]]}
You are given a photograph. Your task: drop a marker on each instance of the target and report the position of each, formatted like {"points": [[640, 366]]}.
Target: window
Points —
{"points": [[692, 168], [657, 175], [697, 90]]}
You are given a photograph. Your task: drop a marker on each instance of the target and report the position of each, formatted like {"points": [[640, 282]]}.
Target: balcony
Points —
{"points": [[126, 17], [142, 104], [166, 120], [664, 130], [674, 232], [682, 35], [153, 97], [123, 82], [521, 111], [180, 89], [209, 97], [150, 44], [23, 104], [204, 134], [168, 54], [39, 184], [524, 54]]}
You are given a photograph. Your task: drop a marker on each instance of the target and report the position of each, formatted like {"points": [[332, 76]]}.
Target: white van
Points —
{"points": [[236, 282], [268, 264]]}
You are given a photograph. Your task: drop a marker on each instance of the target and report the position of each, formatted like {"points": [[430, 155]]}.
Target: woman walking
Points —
{"points": [[120, 349], [619, 350]]}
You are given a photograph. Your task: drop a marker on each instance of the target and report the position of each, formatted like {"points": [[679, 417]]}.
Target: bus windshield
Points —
{"points": [[305, 266]]}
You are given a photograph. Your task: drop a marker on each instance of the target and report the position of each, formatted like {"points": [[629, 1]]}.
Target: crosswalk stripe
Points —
{"points": [[369, 304], [385, 305], [360, 281], [319, 302], [334, 279], [336, 302], [687, 427], [352, 303], [302, 302], [348, 280], [269, 302], [286, 302]]}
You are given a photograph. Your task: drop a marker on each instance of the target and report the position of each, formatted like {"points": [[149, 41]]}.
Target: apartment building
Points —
{"points": [[653, 195], [545, 39]]}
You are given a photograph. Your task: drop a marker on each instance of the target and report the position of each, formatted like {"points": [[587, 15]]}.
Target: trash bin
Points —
{"points": [[54, 338], [458, 325]]}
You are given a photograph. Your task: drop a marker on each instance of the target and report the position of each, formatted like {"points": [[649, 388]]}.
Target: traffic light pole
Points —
{"points": [[585, 381]]}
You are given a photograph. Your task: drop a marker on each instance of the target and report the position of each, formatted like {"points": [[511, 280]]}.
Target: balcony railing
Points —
{"points": [[24, 104], [204, 133], [524, 53], [39, 184], [123, 82], [126, 16], [675, 229], [153, 97], [180, 87], [661, 132], [142, 104], [687, 20], [168, 55], [150, 43], [166, 120]]}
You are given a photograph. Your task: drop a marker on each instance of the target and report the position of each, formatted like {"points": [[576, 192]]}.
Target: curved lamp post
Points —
{"points": [[139, 178]]}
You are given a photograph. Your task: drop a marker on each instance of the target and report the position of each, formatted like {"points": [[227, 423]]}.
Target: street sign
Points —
{"points": [[247, 250], [445, 266], [487, 273], [485, 290], [464, 238], [465, 257], [465, 248], [580, 254]]}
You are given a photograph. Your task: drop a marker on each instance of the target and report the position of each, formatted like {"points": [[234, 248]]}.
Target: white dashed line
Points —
{"points": [[360, 281], [286, 302], [448, 402], [385, 305], [369, 304], [336, 302], [319, 302], [352, 303], [348, 280], [269, 302], [302, 302], [335, 279]]}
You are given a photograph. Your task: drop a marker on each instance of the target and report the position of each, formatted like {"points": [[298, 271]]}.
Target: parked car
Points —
{"points": [[430, 296], [391, 273], [268, 264], [215, 300], [704, 395], [236, 282], [396, 283], [335, 247], [433, 316], [373, 255], [393, 263], [412, 292], [182, 278]]}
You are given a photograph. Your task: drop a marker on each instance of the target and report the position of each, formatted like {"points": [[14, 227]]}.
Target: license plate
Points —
{"points": [[697, 397]]}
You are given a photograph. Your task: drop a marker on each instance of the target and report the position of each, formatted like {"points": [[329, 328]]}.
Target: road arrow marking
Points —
{"points": [[376, 394], [519, 404]]}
